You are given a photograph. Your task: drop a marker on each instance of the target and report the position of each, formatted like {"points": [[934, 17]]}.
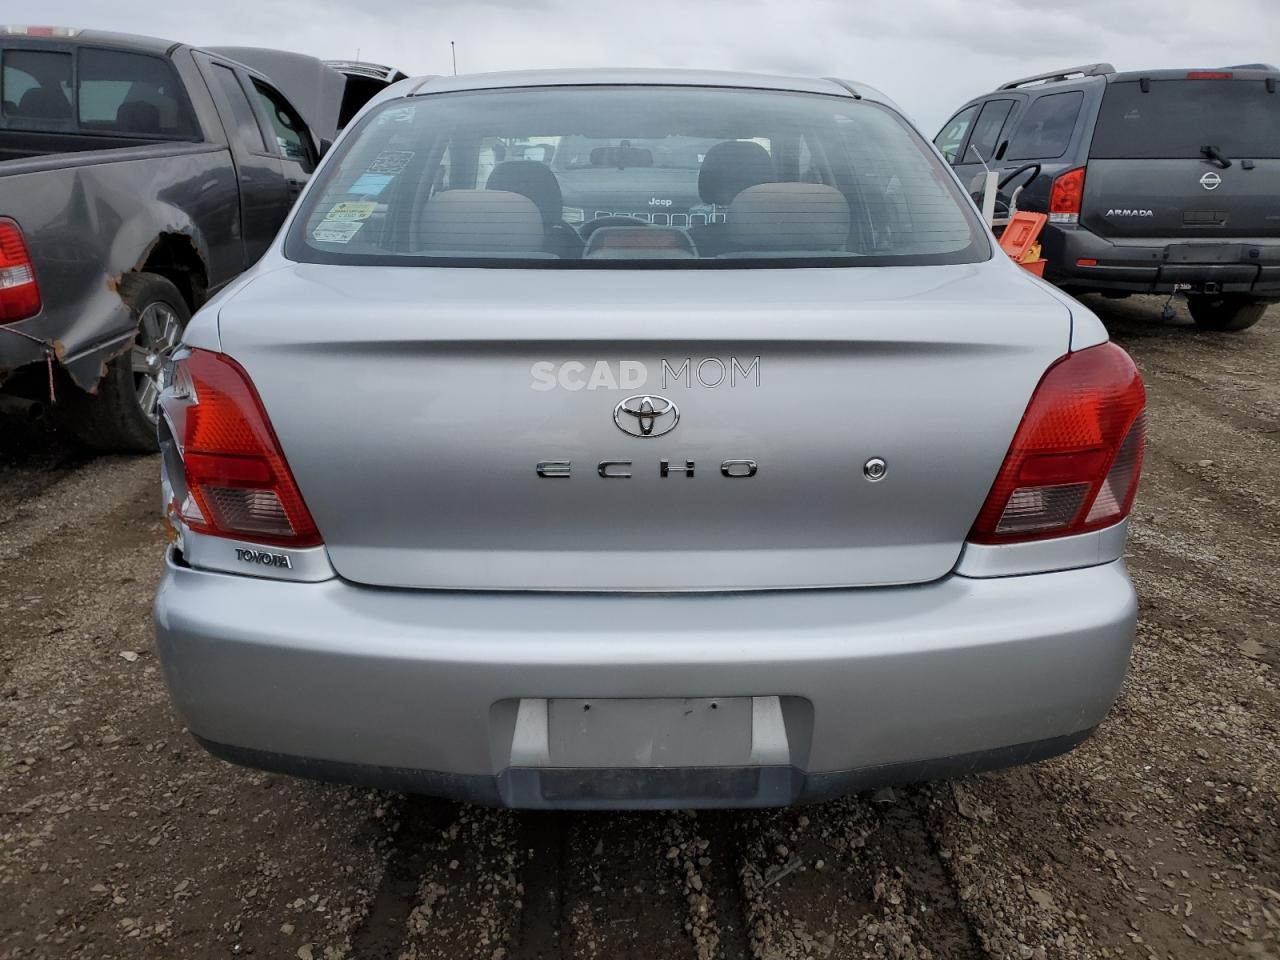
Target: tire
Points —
{"points": [[121, 416], [1225, 313]]}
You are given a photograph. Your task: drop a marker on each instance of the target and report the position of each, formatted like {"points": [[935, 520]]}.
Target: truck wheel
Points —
{"points": [[1225, 313], [122, 416]]}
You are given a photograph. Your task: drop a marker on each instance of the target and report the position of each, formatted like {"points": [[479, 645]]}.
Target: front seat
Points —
{"points": [[727, 169], [534, 180], [138, 116], [44, 103]]}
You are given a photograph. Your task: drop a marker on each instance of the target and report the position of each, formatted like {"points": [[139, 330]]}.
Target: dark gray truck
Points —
{"points": [[137, 178]]}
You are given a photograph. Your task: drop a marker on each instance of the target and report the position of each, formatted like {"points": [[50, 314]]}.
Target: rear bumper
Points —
{"points": [[1159, 265], [422, 690]]}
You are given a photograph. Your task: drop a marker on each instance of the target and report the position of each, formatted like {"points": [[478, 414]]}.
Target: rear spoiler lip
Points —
{"points": [[1251, 71]]}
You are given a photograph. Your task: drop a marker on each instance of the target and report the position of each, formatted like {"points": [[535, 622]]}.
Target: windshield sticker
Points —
{"points": [[370, 184], [336, 231], [351, 210], [390, 162]]}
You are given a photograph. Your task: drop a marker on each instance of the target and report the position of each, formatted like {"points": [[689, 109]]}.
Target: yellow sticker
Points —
{"points": [[352, 210]]}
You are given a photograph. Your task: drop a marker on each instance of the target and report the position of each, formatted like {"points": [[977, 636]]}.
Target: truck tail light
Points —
{"points": [[1065, 197], [1074, 462], [19, 291], [238, 483]]}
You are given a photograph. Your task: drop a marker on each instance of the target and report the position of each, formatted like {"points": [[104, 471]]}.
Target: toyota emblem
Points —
{"points": [[646, 416]]}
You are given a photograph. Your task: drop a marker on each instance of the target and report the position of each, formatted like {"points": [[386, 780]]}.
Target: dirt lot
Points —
{"points": [[119, 837]]}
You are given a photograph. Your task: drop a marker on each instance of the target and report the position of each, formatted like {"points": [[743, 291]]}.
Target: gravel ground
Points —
{"points": [[119, 837]]}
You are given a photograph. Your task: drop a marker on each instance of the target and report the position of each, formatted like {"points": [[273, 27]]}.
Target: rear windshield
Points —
{"points": [[115, 92], [635, 176], [1179, 117]]}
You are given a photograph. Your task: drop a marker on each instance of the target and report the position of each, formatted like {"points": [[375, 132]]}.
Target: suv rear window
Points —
{"points": [[1178, 117], [634, 176]]}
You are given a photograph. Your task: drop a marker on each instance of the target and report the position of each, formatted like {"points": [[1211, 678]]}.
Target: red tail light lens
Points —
{"points": [[238, 482], [1076, 457], [19, 292], [1065, 197], [1210, 75]]}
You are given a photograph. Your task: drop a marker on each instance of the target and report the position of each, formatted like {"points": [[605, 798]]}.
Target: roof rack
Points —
{"points": [[1087, 70]]}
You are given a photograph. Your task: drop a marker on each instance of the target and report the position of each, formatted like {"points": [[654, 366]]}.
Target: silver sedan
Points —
{"points": [[755, 474]]}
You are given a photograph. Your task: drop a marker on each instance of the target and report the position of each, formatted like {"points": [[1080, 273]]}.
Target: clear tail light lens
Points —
{"points": [[19, 291], [238, 483], [1066, 196], [1075, 460]]}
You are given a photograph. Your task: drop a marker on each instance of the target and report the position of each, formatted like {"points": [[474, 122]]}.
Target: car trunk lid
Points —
{"points": [[415, 405]]}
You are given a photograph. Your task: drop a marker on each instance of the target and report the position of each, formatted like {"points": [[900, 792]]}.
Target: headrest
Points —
{"points": [[788, 216], [138, 116], [44, 103], [730, 167], [481, 221], [534, 180]]}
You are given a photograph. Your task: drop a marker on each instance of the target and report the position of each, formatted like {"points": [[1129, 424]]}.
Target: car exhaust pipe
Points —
{"points": [[21, 407]]}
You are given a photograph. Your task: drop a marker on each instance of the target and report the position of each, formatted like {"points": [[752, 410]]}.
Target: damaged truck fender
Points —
{"points": [[131, 214]]}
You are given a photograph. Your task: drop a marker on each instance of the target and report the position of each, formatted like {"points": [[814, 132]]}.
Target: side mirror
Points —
{"points": [[1003, 147], [325, 145]]}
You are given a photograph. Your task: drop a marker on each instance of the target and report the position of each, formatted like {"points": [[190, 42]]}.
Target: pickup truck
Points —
{"points": [[138, 177]]}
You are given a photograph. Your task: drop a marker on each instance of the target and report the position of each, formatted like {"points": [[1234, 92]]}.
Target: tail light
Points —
{"points": [[1064, 199], [238, 483], [1076, 457], [1210, 75], [19, 292]]}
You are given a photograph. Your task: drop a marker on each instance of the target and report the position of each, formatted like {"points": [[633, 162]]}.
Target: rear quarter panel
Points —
{"points": [[91, 218]]}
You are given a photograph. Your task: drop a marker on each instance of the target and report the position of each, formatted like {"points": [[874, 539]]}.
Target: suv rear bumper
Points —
{"points": [[1159, 265], [426, 690]]}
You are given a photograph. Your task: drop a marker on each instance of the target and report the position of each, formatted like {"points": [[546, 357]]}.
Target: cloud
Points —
{"points": [[929, 55]]}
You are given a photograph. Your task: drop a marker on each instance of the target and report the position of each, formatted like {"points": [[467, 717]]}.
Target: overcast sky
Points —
{"points": [[929, 55]]}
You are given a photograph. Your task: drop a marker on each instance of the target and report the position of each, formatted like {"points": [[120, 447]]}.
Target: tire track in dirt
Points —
{"points": [[33, 457], [544, 847], [75, 499], [853, 878], [720, 866], [469, 897], [624, 898], [417, 823]]}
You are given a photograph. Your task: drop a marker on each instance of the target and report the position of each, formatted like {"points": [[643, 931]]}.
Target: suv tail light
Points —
{"points": [[1076, 457], [19, 292], [238, 483], [1064, 199]]}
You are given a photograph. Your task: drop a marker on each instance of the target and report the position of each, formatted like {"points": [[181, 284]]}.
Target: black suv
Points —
{"points": [[1154, 181]]}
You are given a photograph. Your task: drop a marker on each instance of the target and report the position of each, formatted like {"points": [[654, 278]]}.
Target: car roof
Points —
{"points": [[626, 76], [613, 76], [105, 38], [1075, 78]]}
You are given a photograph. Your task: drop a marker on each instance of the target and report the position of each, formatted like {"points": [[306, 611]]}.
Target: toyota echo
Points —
{"points": [[794, 487]]}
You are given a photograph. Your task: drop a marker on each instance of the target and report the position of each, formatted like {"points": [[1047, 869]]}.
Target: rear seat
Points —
{"points": [[786, 218], [481, 221]]}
